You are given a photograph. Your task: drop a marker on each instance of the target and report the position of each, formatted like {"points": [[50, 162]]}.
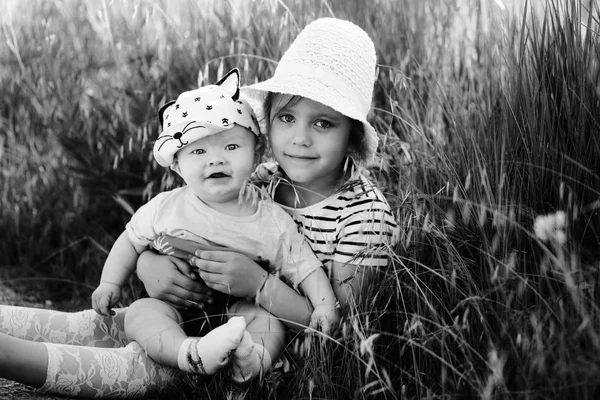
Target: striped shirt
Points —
{"points": [[354, 225]]}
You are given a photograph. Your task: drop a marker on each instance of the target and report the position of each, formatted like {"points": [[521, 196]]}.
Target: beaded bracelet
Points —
{"points": [[262, 286]]}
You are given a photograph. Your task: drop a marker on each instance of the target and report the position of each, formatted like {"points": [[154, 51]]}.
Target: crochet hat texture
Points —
{"points": [[199, 113], [333, 62]]}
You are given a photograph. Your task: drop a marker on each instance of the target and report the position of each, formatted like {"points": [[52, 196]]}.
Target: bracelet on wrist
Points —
{"points": [[262, 286]]}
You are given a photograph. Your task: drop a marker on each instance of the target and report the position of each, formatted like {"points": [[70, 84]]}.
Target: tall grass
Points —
{"points": [[489, 119]]}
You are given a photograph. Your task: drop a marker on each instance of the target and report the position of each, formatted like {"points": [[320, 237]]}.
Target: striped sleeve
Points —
{"points": [[367, 233]]}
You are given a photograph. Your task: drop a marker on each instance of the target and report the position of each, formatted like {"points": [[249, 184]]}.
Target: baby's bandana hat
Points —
{"points": [[333, 62], [199, 113]]}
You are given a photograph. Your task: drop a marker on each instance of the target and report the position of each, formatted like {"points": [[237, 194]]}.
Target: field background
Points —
{"points": [[489, 115]]}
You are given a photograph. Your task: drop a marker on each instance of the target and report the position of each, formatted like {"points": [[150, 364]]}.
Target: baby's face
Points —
{"points": [[216, 167]]}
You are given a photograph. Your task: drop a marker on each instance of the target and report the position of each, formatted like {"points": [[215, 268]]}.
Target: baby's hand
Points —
{"points": [[326, 317], [105, 297]]}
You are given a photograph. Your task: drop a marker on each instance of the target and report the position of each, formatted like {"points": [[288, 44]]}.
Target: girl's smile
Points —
{"points": [[300, 157]]}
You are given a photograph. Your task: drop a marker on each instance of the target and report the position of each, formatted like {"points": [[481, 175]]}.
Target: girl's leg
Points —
{"points": [[84, 328], [157, 327], [90, 372], [58, 368], [263, 341], [23, 361]]}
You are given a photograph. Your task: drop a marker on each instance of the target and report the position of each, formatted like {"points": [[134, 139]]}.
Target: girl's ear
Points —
{"points": [[231, 83], [175, 166]]}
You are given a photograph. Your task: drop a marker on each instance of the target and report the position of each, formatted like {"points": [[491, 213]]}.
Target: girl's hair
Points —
{"points": [[356, 146], [260, 148]]}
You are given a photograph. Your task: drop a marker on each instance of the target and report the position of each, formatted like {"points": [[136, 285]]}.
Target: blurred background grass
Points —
{"points": [[489, 117]]}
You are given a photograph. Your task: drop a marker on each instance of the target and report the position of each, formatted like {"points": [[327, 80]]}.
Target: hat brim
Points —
{"points": [[167, 145]]}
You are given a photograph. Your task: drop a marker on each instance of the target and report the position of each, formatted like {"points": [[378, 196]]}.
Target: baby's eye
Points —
{"points": [[231, 147], [198, 151], [287, 118], [323, 124]]}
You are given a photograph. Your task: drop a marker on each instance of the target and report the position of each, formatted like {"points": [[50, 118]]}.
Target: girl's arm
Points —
{"points": [[317, 288], [350, 283], [370, 236], [285, 303], [239, 275]]}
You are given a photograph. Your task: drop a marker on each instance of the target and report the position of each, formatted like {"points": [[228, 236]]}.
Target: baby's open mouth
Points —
{"points": [[217, 175]]}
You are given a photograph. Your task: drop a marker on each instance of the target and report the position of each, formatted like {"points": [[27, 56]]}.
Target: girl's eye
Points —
{"points": [[287, 118], [323, 124], [198, 151], [231, 147]]}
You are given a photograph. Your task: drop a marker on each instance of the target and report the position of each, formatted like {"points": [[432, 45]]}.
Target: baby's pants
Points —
{"points": [[88, 354]]}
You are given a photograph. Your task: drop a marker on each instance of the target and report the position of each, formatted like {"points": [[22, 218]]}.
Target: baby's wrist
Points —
{"points": [[105, 282]]}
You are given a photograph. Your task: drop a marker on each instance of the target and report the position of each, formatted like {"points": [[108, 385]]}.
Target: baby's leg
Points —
{"points": [[157, 327], [263, 341]]}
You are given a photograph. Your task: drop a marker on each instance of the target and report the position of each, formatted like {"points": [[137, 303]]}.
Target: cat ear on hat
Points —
{"points": [[231, 83], [161, 111]]}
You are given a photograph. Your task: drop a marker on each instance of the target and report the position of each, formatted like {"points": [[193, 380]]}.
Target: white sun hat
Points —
{"points": [[202, 112], [333, 62]]}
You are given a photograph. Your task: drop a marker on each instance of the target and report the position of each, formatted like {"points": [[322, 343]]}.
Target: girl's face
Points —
{"points": [[216, 166], [309, 141]]}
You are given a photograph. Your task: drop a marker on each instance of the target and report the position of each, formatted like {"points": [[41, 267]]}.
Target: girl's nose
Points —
{"points": [[301, 136]]}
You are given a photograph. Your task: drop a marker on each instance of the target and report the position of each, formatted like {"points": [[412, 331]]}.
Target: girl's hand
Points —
{"points": [[325, 318], [172, 280], [229, 272]]}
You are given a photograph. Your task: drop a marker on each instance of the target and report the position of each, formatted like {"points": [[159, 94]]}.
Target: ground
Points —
{"points": [[11, 390]]}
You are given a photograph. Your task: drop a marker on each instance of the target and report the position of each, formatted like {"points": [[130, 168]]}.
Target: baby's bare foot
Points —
{"points": [[249, 359]]}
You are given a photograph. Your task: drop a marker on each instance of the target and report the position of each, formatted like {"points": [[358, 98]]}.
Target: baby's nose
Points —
{"points": [[216, 161]]}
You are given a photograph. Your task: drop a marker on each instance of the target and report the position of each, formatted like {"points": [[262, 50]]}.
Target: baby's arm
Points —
{"points": [[317, 288], [118, 267]]}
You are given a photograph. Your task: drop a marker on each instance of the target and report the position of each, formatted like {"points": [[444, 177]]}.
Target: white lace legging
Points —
{"points": [[88, 355]]}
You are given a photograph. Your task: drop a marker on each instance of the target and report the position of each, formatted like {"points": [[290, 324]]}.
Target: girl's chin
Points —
{"points": [[301, 179]]}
